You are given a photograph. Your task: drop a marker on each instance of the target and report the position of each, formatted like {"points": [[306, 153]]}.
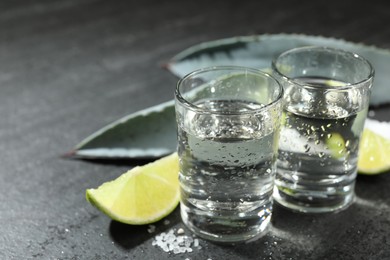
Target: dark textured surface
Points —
{"points": [[68, 68]]}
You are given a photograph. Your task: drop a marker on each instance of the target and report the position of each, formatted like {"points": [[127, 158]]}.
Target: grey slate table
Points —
{"points": [[68, 68]]}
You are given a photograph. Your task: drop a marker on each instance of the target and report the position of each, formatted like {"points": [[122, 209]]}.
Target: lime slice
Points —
{"points": [[142, 195], [335, 83], [374, 153], [336, 145]]}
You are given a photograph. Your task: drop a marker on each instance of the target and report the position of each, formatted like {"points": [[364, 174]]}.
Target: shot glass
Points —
{"points": [[326, 100], [228, 132]]}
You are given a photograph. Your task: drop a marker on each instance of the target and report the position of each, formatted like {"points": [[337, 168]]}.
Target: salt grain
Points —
{"points": [[171, 243], [151, 228]]}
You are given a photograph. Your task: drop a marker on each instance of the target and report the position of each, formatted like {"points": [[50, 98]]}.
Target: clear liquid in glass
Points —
{"points": [[227, 169], [318, 152]]}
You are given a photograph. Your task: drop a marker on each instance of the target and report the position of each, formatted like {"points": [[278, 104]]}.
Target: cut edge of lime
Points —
{"points": [[132, 221], [376, 171], [385, 168], [91, 198]]}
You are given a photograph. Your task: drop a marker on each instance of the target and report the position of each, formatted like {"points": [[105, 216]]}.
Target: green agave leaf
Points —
{"points": [[259, 51], [149, 133]]}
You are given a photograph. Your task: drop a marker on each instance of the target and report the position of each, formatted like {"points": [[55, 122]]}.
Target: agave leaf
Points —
{"points": [[149, 133], [258, 52]]}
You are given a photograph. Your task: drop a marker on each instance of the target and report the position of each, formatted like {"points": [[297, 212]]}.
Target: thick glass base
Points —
{"points": [[230, 229], [309, 201]]}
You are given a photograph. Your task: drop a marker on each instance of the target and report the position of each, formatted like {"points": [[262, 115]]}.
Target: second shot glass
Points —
{"points": [[326, 100]]}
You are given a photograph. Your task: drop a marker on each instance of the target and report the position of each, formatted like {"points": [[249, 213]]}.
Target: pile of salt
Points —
{"points": [[169, 242]]}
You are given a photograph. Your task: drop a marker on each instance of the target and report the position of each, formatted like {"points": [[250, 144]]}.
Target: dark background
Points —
{"points": [[67, 68]]}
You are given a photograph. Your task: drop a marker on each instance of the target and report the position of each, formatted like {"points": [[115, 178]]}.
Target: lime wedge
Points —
{"points": [[336, 145], [142, 195], [334, 83], [374, 153]]}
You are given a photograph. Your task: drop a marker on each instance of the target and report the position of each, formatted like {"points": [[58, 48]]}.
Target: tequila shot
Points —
{"points": [[325, 105], [228, 131]]}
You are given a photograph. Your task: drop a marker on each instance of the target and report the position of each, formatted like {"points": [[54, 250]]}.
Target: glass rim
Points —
{"points": [[189, 105], [348, 86]]}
